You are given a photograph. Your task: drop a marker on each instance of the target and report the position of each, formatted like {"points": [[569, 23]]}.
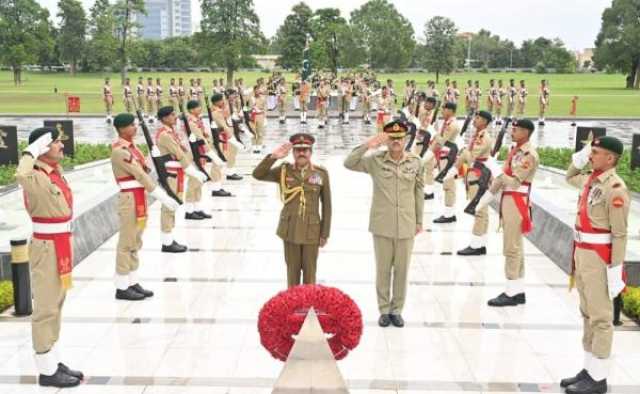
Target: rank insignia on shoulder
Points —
{"points": [[129, 159], [617, 202]]}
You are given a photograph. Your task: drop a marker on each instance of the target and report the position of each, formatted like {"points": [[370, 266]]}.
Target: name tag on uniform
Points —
{"points": [[315, 179]]}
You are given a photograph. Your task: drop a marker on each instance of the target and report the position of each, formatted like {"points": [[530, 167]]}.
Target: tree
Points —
{"points": [[232, 29], [325, 49], [292, 35], [73, 27], [617, 43], [103, 44], [124, 11], [386, 35], [24, 30], [440, 45]]}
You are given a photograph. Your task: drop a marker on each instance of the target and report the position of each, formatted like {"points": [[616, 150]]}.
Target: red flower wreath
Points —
{"points": [[282, 316]]}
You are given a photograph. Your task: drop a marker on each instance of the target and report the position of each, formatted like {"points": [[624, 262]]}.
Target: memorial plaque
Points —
{"points": [[8, 145], [635, 152], [585, 135], [65, 127]]}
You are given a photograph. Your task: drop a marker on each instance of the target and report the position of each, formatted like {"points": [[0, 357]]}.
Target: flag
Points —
{"points": [[306, 63]]}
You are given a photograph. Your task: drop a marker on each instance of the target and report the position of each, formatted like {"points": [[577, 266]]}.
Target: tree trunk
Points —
{"points": [[437, 76], [636, 77], [17, 75], [72, 68], [229, 76], [123, 46]]}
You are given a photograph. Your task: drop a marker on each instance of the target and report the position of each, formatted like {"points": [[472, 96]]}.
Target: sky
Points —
{"points": [[576, 22]]}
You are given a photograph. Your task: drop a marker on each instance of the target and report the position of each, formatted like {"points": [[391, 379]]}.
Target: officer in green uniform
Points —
{"points": [[303, 186], [396, 213]]}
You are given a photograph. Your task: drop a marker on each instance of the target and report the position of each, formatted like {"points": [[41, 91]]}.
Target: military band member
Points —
{"points": [[173, 94], [345, 100], [169, 142], [159, 91], [150, 96], [140, 95], [522, 97], [598, 259], [303, 188], [127, 96], [133, 179], [49, 202], [182, 94], [543, 100], [396, 214], [514, 181], [478, 151], [305, 91], [324, 92], [281, 93]]}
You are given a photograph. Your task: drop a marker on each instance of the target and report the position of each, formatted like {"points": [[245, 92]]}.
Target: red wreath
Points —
{"points": [[282, 317]]}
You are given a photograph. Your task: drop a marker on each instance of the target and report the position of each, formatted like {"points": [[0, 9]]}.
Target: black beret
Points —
{"points": [[216, 98], [192, 104], [451, 106], [165, 111], [123, 120], [525, 124], [431, 100], [486, 115], [39, 132], [611, 144]]}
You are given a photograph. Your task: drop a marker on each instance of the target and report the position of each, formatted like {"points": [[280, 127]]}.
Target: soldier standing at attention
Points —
{"points": [[543, 100], [467, 96], [173, 94], [107, 94], [158, 93], [345, 102], [132, 175], [168, 142], [323, 103], [599, 250], [49, 202], [499, 102], [514, 181], [127, 96], [230, 151], [305, 91], [140, 95], [258, 114], [365, 93], [512, 96], [281, 93], [150, 97], [384, 109], [396, 214], [522, 97], [303, 187], [200, 92], [181, 92]]}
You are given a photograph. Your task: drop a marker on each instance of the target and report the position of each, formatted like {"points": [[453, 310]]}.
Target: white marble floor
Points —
{"points": [[198, 333]]}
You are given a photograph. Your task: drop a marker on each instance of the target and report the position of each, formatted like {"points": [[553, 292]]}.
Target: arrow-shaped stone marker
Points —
{"points": [[310, 367]]}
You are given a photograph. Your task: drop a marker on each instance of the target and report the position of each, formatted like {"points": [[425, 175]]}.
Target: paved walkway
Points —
{"points": [[198, 333]]}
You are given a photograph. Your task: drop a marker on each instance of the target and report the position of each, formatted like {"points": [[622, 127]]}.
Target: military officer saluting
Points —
{"points": [[514, 181], [396, 214], [132, 175], [49, 202], [600, 243], [303, 187], [168, 142]]}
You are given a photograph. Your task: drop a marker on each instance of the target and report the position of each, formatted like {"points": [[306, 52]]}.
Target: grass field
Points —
{"points": [[600, 94]]}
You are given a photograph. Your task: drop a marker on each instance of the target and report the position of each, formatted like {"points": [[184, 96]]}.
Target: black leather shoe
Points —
{"points": [[469, 251], [174, 248], [141, 290], [443, 219], [204, 214], [384, 321], [321, 126], [282, 121], [575, 379], [58, 379], [588, 386], [70, 372], [234, 177], [520, 298], [129, 295], [193, 216], [220, 193], [429, 196], [504, 300], [396, 320]]}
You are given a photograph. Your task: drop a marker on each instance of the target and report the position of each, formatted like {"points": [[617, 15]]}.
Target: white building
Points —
{"points": [[165, 18]]}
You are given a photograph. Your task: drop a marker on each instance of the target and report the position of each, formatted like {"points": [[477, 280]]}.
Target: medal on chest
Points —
{"points": [[315, 179], [594, 195]]}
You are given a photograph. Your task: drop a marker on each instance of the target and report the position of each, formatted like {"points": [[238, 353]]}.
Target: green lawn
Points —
{"points": [[600, 94]]}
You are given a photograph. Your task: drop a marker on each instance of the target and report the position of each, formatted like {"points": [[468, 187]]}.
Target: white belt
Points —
{"points": [[52, 228], [172, 165], [131, 184], [523, 189], [591, 238]]}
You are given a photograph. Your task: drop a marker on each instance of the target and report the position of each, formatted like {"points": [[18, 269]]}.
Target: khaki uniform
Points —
{"points": [[127, 98], [108, 99], [543, 100], [512, 97], [174, 97], [607, 209], [159, 102], [229, 151], [365, 94], [396, 211], [140, 97], [479, 150], [258, 114], [384, 111], [182, 95], [522, 100], [127, 167], [282, 100], [151, 100], [194, 186], [168, 142], [515, 184], [305, 91], [323, 102], [345, 100], [301, 226], [448, 133], [44, 199]]}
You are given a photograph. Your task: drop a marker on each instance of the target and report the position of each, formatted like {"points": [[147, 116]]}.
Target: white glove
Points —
{"points": [[192, 138], [155, 152], [580, 159], [494, 167], [40, 146], [235, 117], [215, 159], [453, 171], [428, 155], [229, 122], [192, 171], [485, 200], [614, 280], [159, 194], [431, 130], [238, 145]]}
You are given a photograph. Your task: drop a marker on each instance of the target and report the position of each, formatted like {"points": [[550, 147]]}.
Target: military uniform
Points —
{"points": [[159, 92], [449, 131], [229, 151], [599, 252], [151, 99], [396, 213], [127, 98], [193, 208], [365, 93], [345, 102], [140, 96], [522, 98], [281, 92], [108, 99], [182, 94], [301, 225], [512, 94], [258, 119], [174, 96], [305, 91], [384, 111], [543, 101], [323, 104]]}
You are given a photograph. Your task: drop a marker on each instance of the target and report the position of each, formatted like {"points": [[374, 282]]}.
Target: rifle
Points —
{"points": [[500, 137], [245, 113], [159, 162], [427, 136], [466, 123], [215, 133], [194, 143], [451, 160], [234, 123], [483, 185]]}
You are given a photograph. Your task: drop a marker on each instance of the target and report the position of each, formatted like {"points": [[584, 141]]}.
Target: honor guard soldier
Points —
{"points": [[258, 104], [127, 96], [514, 181], [522, 97], [193, 205], [396, 214], [200, 91], [500, 100], [107, 95], [473, 157], [140, 95], [324, 92], [193, 90], [492, 97], [345, 100], [173, 94], [182, 94], [598, 259], [305, 92], [281, 93], [168, 142], [512, 96], [49, 202], [303, 188], [543, 100], [151, 99], [384, 108], [159, 91], [467, 97], [230, 151], [133, 179], [365, 94]]}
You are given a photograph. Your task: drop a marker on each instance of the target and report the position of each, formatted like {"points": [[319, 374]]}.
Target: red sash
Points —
{"points": [[519, 198], [139, 198]]}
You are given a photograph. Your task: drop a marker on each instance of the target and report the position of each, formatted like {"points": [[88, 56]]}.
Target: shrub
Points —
{"points": [[631, 300]]}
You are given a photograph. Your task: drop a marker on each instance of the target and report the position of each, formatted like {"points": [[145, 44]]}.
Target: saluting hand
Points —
{"points": [[281, 151], [376, 140]]}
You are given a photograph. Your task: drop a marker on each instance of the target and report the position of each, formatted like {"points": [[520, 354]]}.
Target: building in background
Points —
{"points": [[584, 59], [165, 18]]}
